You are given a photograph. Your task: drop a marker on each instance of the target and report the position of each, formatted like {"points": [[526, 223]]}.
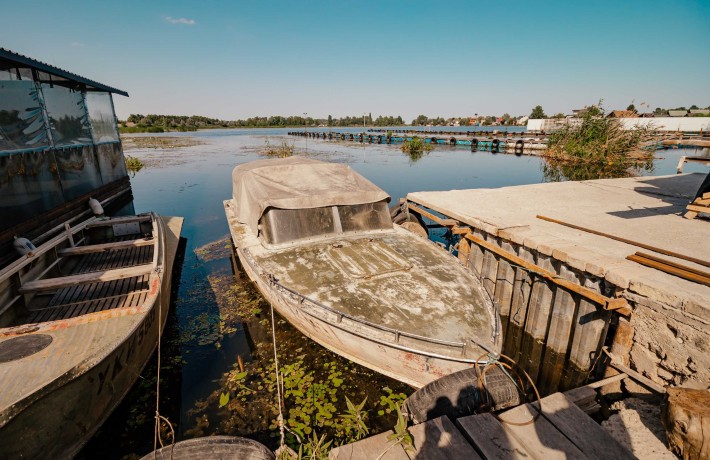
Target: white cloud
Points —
{"points": [[187, 21]]}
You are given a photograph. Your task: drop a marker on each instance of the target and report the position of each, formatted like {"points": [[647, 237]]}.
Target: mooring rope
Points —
{"points": [[278, 380], [494, 360], [158, 417]]}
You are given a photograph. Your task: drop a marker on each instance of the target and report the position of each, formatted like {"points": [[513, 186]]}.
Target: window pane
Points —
{"points": [[21, 120], [68, 119], [368, 216], [285, 225], [103, 121]]}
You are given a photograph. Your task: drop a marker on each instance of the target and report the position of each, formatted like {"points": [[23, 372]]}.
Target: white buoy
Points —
{"points": [[96, 207], [24, 246]]}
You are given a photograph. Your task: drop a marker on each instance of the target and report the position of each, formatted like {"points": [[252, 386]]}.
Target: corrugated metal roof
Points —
{"points": [[50, 69]]}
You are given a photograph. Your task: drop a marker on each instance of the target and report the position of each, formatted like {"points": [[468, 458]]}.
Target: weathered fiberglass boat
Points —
{"points": [[79, 318], [318, 240]]}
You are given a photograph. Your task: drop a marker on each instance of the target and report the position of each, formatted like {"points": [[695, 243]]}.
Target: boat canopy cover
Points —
{"points": [[297, 183]]}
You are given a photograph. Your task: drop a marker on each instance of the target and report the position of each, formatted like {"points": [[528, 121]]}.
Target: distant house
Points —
{"points": [[647, 115], [579, 113], [677, 113], [622, 114]]}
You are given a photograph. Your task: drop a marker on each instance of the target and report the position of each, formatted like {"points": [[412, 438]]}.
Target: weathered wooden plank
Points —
{"points": [[504, 283], [522, 287], [440, 439], [558, 338], [537, 321], [74, 280], [118, 245], [370, 448], [117, 220], [486, 434], [580, 429], [541, 439], [489, 272], [590, 326]]}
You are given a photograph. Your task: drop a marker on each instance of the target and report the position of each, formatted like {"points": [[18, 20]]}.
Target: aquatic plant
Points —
{"points": [[133, 164], [285, 150], [415, 148], [597, 147]]}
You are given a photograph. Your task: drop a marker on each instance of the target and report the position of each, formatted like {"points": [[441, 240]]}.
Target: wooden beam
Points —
{"points": [[118, 220], [670, 269], [631, 242], [692, 207], [606, 302], [437, 219], [105, 247], [84, 278]]}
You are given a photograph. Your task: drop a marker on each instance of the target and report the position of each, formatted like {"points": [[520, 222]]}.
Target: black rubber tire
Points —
{"points": [[435, 399], [214, 447]]}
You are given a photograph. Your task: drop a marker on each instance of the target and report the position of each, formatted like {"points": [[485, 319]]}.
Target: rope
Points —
{"points": [[278, 380], [494, 360], [158, 417]]}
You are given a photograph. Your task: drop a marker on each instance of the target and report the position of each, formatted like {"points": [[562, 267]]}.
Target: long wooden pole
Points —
{"points": [[631, 242]]}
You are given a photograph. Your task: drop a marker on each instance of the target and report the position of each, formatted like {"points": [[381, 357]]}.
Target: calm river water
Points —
{"points": [[203, 341]]}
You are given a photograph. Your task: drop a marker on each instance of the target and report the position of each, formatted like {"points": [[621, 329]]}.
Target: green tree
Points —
{"points": [[537, 112], [631, 108], [693, 107], [330, 120]]}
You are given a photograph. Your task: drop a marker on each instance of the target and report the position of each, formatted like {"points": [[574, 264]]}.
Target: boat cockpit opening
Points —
{"points": [[280, 226]]}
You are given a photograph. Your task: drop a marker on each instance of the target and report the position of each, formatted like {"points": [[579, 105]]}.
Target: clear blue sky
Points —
{"points": [[234, 59]]}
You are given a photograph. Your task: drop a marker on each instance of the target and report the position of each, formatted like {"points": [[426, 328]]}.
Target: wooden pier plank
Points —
{"points": [[486, 434], [542, 440], [440, 439], [581, 429], [370, 448]]}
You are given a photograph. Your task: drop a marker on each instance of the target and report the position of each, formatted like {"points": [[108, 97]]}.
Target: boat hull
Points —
{"points": [[58, 419], [398, 362]]}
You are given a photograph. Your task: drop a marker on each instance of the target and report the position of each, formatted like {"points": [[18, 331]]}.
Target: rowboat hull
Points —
{"points": [[59, 417]]}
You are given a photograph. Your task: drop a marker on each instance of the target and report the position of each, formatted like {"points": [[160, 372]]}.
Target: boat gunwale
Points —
{"points": [[154, 282]]}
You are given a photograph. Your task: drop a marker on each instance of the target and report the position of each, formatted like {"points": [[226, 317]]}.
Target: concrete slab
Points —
{"points": [[643, 209]]}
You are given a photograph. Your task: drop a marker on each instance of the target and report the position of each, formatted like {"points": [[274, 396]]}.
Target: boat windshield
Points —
{"points": [[278, 226]]}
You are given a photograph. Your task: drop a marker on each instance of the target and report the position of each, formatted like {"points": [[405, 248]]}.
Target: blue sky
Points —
{"points": [[235, 59]]}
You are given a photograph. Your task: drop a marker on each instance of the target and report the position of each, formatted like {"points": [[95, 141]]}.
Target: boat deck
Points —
{"points": [[72, 301], [561, 431]]}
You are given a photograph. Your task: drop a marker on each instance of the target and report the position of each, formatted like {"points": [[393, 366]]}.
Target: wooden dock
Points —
{"points": [[558, 259], [561, 430]]}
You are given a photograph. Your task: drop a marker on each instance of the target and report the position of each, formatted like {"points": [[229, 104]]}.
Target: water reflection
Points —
{"points": [[560, 170]]}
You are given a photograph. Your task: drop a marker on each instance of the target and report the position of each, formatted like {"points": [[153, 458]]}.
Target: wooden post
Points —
{"points": [[504, 284], [522, 285], [70, 236], [538, 320], [464, 251], [489, 272], [590, 325], [562, 316], [686, 418], [621, 347]]}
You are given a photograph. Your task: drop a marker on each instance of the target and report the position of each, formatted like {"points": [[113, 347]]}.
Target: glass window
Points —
{"points": [[68, 119], [21, 118], [368, 216], [103, 120], [284, 225]]}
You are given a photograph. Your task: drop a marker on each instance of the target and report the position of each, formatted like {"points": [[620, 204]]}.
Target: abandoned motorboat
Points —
{"points": [[79, 318], [318, 240]]}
